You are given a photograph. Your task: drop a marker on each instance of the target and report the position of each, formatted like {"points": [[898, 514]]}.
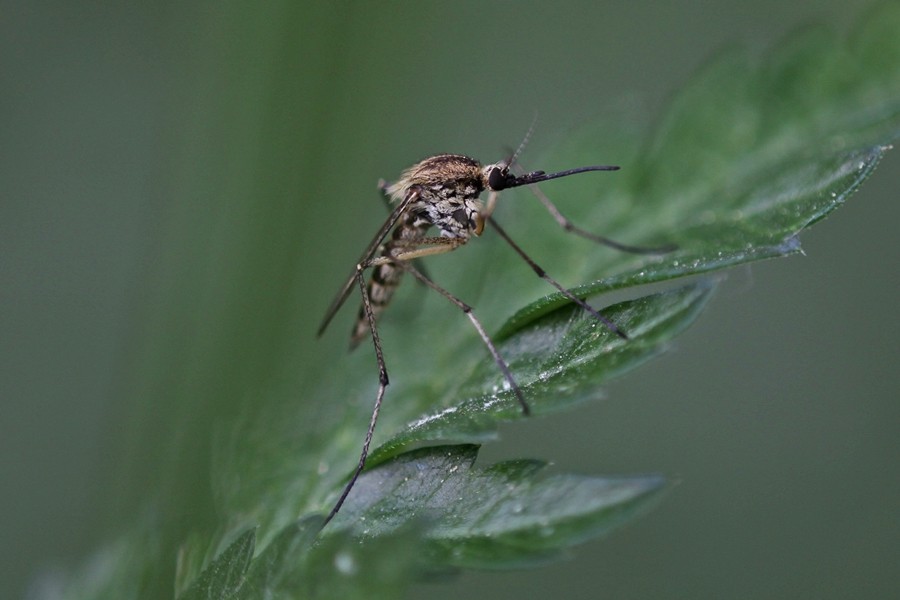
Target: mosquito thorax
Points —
{"points": [[449, 187]]}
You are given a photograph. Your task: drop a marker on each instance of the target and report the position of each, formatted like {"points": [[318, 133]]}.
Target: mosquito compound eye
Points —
{"points": [[497, 179]]}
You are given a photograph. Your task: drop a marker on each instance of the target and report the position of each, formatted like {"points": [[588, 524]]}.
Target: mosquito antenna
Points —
{"points": [[525, 140]]}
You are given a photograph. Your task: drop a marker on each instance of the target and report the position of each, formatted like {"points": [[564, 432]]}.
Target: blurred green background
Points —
{"points": [[133, 134]]}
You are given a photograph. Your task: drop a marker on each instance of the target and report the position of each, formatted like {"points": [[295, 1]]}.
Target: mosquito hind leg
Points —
{"points": [[383, 382]]}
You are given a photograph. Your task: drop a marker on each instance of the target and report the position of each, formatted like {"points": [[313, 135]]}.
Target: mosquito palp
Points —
{"points": [[443, 192]]}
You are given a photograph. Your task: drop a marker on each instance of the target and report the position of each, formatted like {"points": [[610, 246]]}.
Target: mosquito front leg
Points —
{"points": [[490, 205], [569, 226]]}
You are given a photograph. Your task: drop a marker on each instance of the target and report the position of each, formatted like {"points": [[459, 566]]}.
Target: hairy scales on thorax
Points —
{"points": [[448, 188]]}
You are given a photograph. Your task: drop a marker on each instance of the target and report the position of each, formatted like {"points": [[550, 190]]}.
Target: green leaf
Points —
{"points": [[744, 161], [276, 568], [340, 566], [750, 154], [296, 565], [225, 575], [559, 361], [509, 514], [761, 221]]}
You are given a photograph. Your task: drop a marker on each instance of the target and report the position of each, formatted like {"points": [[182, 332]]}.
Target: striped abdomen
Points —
{"points": [[385, 279]]}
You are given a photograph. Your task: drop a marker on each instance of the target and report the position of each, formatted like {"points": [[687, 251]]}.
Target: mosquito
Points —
{"points": [[442, 192]]}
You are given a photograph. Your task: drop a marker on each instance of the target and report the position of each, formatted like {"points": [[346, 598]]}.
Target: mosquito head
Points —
{"points": [[498, 177]]}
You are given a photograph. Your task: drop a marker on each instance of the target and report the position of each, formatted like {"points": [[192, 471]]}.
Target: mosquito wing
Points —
{"points": [[369, 253]]}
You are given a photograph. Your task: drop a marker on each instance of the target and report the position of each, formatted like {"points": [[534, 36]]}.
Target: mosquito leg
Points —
{"points": [[382, 386], [490, 205], [543, 275], [569, 226], [504, 368]]}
